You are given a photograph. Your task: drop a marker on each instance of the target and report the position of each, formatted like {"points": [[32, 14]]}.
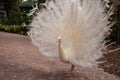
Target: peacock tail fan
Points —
{"points": [[81, 24]]}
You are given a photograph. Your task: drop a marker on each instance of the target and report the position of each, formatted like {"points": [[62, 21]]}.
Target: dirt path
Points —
{"points": [[20, 60]]}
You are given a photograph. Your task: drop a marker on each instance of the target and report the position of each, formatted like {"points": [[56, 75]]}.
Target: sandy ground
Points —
{"points": [[20, 60]]}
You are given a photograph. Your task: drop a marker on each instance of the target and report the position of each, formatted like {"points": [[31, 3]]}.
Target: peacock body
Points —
{"points": [[80, 25]]}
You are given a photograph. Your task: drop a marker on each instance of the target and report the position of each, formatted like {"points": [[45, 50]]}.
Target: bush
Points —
{"points": [[3, 18], [14, 29], [18, 18]]}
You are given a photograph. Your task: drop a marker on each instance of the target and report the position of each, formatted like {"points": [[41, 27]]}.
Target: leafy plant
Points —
{"points": [[14, 29]]}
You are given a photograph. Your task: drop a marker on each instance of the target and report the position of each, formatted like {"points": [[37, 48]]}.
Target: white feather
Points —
{"points": [[81, 24]]}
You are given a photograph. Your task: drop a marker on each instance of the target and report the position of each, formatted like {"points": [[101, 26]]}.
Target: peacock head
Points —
{"points": [[59, 39]]}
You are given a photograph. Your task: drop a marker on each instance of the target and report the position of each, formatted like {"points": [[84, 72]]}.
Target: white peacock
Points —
{"points": [[74, 30]]}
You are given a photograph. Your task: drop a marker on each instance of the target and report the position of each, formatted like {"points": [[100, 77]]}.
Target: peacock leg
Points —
{"points": [[70, 73], [72, 68]]}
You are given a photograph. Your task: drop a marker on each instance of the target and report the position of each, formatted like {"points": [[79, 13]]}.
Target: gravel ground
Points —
{"points": [[20, 60]]}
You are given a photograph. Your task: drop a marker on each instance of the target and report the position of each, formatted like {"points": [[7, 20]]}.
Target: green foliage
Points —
{"points": [[3, 19], [19, 18], [25, 18], [118, 26], [14, 15], [14, 29]]}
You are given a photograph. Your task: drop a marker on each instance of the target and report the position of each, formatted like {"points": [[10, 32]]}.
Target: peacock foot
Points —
{"points": [[70, 73]]}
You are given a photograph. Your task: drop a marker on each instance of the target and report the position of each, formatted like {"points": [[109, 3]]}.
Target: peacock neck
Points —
{"points": [[62, 55]]}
